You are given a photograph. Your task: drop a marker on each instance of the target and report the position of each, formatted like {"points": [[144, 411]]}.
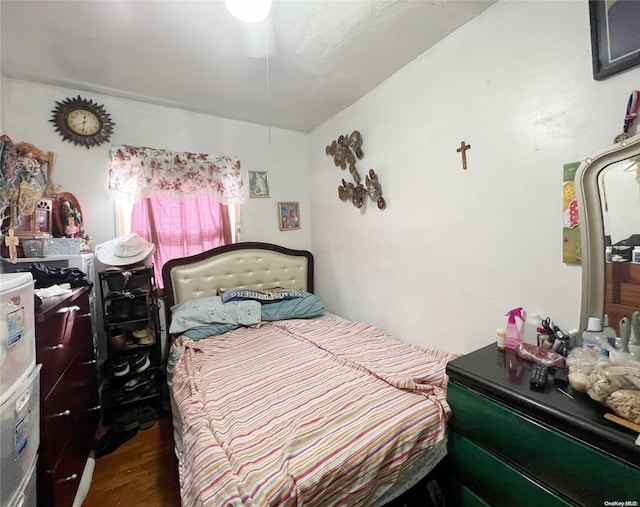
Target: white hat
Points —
{"points": [[125, 250]]}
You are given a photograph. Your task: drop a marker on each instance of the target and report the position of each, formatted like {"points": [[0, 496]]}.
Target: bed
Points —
{"points": [[298, 408]]}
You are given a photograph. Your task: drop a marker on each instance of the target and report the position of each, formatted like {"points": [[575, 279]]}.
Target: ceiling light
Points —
{"points": [[249, 11]]}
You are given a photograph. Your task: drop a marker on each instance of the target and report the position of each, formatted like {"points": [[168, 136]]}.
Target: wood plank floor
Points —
{"points": [[141, 472]]}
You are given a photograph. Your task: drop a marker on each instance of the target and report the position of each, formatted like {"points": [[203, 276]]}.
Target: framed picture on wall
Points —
{"points": [[615, 36], [289, 215], [258, 184]]}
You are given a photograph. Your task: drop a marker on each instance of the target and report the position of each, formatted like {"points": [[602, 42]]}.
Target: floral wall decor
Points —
{"points": [[345, 151]]}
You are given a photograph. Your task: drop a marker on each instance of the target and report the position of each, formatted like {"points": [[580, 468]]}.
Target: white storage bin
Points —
{"points": [[26, 496], [17, 329], [19, 434]]}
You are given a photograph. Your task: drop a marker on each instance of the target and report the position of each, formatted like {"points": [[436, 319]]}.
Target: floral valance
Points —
{"points": [[138, 173]]}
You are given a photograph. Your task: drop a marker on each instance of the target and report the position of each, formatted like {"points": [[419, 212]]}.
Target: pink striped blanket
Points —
{"points": [[303, 412]]}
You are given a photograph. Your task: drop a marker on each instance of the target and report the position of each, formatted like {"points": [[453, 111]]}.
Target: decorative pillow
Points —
{"points": [[210, 310], [197, 333], [262, 295], [306, 306]]}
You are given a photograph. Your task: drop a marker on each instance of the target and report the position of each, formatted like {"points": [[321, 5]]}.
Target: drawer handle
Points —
{"points": [[58, 347], [87, 363], [86, 315], [95, 409], [72, 477], [64, 413], [66, 309]]}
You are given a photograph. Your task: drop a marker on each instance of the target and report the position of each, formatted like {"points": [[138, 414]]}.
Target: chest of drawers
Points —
{"points": [[512, 445], [69, 394]]}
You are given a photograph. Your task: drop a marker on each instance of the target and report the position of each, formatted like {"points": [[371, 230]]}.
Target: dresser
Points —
{"points": [[69, 394], [513, 445]]}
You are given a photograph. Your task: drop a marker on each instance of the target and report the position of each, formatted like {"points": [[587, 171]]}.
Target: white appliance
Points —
{"points": [[19, 391]]}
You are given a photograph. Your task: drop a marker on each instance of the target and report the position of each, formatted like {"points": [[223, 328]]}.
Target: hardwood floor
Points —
{"points": [[141, 472]]}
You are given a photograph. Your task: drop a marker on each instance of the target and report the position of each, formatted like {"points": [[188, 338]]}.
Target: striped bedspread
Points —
{"points": [[303, 412]]}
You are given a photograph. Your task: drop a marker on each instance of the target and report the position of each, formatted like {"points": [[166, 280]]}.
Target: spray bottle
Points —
{"points": [[513, 334]]}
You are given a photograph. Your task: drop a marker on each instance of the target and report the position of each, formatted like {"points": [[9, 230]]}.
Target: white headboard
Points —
{"points": [[249, 264]]}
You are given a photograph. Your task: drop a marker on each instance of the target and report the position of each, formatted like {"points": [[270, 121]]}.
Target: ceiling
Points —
{"points": [[307, 62]]}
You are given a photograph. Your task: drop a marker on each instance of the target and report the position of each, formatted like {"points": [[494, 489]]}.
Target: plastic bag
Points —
{"points": [[613, 381], [536, 354]]}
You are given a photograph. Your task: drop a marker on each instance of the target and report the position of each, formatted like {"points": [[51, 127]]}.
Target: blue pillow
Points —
{"points": [[304, 307], [261, 295], [197, 333]]}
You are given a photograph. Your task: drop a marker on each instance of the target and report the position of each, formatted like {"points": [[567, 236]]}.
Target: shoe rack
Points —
{"points": [[133, 373]]}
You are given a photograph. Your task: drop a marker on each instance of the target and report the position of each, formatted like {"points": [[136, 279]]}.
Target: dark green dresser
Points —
{"points": [[513, 445]]}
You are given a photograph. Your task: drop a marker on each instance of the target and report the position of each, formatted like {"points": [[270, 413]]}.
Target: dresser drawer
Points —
{"points": [[570, 467], [65, 478], [494, 480], [53, 349], [68, 404]]}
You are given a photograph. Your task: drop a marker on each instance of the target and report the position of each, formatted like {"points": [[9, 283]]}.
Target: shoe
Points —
{"points": [[145, 336], [117, 396], [140, 362], [147, 417], [119, 310], [127, 421], [120, 340], [120, 367], [139, 308], [140, 381]]}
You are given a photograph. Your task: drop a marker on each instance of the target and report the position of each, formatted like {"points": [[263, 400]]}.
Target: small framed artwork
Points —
{"points": [[289, 215], [258, 184], [615, 36]]}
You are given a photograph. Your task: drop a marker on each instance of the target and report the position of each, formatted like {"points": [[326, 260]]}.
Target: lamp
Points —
{"points": [[249, 11]]}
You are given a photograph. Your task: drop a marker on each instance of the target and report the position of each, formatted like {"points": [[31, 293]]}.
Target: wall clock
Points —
{"points": [[82, 122]]}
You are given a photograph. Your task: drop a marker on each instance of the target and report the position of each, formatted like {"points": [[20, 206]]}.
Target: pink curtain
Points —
{"points": [[180, 228]]}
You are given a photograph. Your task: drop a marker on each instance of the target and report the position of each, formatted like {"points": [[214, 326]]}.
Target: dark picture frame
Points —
{"points": [[615, 36]]}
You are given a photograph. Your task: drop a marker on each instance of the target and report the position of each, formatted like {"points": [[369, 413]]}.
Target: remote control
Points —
{"points": [[561, 376], [538, 375]]}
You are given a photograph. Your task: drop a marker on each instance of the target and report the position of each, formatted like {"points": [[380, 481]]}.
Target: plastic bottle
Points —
{"points": [[593, 337], [608, 331], [608, 254], [635, 255], [531, 325], [500, 339], [634, 338], [513, 334]]}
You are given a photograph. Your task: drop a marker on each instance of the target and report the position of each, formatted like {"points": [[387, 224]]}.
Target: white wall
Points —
{"points": [[455, 250], [26, 110]]}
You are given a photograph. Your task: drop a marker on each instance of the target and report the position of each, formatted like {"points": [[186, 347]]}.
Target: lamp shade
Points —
{"points": [[249, 11]]}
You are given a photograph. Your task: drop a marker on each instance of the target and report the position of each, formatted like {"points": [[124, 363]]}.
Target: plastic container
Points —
{"points": [[531, 325], [593, 337], [635, 255], [500, 339]]}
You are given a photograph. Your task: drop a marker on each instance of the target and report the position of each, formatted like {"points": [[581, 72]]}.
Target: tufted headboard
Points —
{"points": [[249, 264]]}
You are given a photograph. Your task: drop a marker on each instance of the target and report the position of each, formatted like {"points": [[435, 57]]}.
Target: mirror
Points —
{"points": [[608, 196]]}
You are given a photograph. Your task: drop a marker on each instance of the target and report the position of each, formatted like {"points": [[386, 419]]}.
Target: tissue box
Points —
{"points": [[44, 247]]}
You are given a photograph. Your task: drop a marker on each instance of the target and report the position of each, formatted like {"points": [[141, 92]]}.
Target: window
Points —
{"points": [[184, 203]]}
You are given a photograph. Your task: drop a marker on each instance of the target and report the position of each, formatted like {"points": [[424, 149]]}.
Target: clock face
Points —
{"points": [[83, 122]]}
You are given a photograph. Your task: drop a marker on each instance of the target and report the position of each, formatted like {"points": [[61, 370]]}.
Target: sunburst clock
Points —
{"points": [[82, 122]]}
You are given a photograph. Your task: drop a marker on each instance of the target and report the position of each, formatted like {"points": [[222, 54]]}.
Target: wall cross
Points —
{"points": [[463, 150]]}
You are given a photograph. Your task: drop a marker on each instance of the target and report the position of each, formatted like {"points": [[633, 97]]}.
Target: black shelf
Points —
{"points": [[138, 287]]}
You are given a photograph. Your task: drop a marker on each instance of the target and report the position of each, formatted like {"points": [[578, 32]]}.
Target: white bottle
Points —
{"points": [[635, 255], [593, 337], [531, 325]]}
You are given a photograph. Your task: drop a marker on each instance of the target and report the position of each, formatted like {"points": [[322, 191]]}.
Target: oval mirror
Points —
{"points": [[608, 193]]}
